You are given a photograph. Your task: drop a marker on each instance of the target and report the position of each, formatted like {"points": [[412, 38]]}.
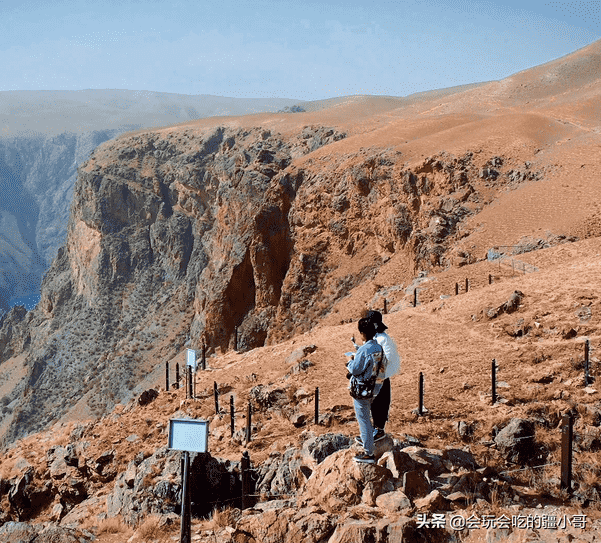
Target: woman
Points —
{"points": [[381, 403], [366, 362]]}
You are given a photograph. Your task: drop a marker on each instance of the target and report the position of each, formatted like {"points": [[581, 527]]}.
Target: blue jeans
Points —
{"points": [[363, 414]]}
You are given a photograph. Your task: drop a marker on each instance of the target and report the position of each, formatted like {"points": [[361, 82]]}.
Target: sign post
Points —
{"points": [[192, 365], [187, 435]]}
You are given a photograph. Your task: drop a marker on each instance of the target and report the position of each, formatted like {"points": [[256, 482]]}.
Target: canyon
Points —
{"points": [[259, 235]]}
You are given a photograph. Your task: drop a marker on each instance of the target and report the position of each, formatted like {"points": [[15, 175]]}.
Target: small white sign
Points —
{"points": [[191, 358], [190, 435]]}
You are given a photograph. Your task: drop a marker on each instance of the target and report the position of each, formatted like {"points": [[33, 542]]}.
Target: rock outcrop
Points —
{"points": [[216, 236]]}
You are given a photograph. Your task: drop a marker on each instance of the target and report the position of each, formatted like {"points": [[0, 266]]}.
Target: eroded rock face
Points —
{"points": [[21, 532], [153, 486], [219, 236], [339, 482]]}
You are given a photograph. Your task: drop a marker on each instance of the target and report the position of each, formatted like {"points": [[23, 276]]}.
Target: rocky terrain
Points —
{"points": [[265, 238], [44, 136]]}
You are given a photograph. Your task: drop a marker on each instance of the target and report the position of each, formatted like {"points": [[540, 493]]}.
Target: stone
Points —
{"points": [[454, 459], [320, 447], [393, 502], [415, 484], [430, 459], [282, 474], [299, 420], [339, 482], [434, 501], [147, 396], [516, 441]]}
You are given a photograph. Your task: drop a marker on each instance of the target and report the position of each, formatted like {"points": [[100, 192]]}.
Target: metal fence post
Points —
{"points": [[245, 474], [494, 381], [420, 409], [232, 415], [185, 526], [248, 423], [316, 405], [586, 362], [176, 384], [216, 394], [566, 452], [167, 375]]}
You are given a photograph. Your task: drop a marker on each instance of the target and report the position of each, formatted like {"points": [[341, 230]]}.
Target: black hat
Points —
{"points": [[376, 318]]}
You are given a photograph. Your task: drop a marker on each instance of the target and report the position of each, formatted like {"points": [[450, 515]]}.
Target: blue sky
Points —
{"points": [[286, 49]]}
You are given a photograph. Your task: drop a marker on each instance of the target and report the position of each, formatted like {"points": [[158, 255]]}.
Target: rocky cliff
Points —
{"points": [[37, 173], [231, 236], [45, 135]]}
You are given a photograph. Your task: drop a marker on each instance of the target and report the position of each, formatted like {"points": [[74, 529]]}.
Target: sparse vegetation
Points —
{"points": [[113, 525]]}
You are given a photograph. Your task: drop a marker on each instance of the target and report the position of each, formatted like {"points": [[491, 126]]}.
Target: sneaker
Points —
{"points": [[364, 458], [379, 434]]}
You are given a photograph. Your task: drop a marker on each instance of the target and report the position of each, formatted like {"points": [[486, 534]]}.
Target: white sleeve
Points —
{"points": [[392, 354]]}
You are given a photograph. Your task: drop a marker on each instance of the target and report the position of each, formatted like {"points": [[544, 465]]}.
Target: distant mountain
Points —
{"points": [[45, 135]]}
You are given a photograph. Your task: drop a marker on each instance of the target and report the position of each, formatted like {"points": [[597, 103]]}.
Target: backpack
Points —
{"points": [[362, 389]]}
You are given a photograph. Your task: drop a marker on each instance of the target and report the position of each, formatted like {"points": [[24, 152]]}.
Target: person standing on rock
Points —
{"points": [[366, 362], [380, 405]]}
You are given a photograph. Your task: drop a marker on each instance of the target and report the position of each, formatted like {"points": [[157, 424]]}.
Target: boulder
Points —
{"points": [[282, 474], [320, 447], [426, 459], [20, 532], [339, 482], [393, 502], [288, 525], [147, 396], [434, 501], [415, 484], [516, 441]]}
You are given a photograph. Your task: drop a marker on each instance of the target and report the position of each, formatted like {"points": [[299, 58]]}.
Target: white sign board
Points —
{"points": [[191, 358], [190, 435]]}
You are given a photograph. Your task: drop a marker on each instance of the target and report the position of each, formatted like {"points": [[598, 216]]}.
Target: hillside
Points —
{"points": [[262, 234], [44, 136], [450, 340]]}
